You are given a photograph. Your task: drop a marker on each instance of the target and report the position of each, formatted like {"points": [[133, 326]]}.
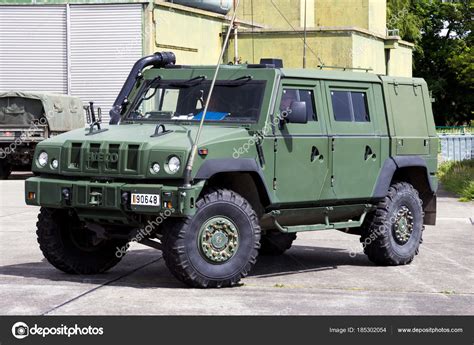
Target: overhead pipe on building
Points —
{"points": [[158, 59]]}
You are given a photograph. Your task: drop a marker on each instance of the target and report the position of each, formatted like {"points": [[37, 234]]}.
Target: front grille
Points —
{"points": [[93, 164], [103, 159], [75, 158], [132, 157], [114, 150]]}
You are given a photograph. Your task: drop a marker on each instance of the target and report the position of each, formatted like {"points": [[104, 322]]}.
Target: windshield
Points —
{"points": [[237, 100]]}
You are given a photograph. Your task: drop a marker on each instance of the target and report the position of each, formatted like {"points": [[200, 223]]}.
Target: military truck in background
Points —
{"points": [[27, 118], [282, 151]]}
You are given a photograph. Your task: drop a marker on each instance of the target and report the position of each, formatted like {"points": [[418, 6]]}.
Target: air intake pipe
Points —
{"points": [[159, 59]]}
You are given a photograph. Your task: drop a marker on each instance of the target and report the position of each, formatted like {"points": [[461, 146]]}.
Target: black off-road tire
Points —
{"points": [[181, 249], [5, 169], [275, 242], [378, 233], [54, 229]]}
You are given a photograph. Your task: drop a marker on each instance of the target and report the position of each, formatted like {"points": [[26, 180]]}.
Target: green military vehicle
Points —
{"points": [[26, 118], [280, 151]]}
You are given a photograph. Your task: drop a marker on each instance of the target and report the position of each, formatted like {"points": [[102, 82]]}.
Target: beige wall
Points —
{"points": [[331, 48], [193, 37], [378, 16], [264, 12], [368, 52], [365, 14], [401, 60]]}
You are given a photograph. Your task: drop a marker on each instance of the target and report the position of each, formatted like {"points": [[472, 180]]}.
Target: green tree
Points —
{"points": [[444, 56]]}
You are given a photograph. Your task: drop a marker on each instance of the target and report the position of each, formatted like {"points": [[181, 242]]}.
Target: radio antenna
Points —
{"points": [[304, 37], [192, 155]]}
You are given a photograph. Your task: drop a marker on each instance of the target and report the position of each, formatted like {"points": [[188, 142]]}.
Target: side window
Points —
{"points": [[350, 106], [299, 95]]}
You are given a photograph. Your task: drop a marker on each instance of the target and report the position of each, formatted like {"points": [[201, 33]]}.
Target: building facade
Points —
{"points": [[87, 47], [340, 33]]}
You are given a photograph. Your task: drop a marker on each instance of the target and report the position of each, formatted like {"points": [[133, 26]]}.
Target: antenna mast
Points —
{"points": [[189, 165], [304, 36]]}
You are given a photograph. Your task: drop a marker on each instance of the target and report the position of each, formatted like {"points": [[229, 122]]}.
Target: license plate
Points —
{"points": [[145, 199]]}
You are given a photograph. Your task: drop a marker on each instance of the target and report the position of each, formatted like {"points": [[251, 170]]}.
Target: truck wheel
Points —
{"points": [[393, 232], [276, 242], [5, 169], [218, 245], [70, 247]]}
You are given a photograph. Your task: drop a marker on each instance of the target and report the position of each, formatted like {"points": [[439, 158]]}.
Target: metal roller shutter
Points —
{"points": [[106, 40], [33, 48]]}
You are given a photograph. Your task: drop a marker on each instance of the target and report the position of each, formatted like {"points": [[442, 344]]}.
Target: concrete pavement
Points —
{"points": [[317, 276]]}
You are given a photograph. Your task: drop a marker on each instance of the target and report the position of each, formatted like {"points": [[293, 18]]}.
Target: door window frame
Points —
{"points": [[313, 126], [351, 127]]}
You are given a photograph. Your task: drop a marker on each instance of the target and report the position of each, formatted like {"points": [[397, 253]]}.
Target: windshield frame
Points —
{"points": [[146, 84]]}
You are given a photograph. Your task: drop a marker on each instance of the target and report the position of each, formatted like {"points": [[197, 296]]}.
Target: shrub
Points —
{"points": [[458, 177]]}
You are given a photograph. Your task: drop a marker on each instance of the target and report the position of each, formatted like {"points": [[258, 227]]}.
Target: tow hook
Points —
{"points": [[95, 199]]}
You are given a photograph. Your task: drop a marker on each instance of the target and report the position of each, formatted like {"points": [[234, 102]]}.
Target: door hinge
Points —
{"points": [[274, 184], [275, 145], [332, 181], [332, 144]]}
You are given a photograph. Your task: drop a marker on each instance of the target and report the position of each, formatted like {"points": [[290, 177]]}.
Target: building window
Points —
{"points": [[299, 95], [350, 106]]}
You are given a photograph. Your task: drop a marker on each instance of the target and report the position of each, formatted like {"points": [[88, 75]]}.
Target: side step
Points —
{"points": [[325, 226]]}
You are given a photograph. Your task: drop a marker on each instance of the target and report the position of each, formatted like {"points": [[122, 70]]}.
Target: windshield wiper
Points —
{"points": [[236, 82], [189, 83]]}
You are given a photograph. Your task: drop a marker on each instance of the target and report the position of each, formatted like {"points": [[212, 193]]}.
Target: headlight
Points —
{"points": [[54, 164], [155, 168], [43, 159], [173, 164]]}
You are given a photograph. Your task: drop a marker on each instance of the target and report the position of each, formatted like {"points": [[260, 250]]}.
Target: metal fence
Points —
{"points": [[456, 147]]}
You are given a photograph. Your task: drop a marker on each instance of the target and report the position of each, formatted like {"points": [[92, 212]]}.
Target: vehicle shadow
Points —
{"points": [[302, 259], [145, 268]]}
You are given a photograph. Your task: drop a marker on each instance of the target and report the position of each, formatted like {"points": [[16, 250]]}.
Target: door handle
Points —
{"points": [[316, 155], [369, 153]]}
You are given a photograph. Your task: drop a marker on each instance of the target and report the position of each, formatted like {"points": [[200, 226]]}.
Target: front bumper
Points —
{"points": [[108, 199]]}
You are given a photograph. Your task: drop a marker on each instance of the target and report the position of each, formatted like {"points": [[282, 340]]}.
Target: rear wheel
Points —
{"points": [[72, 248], [5, 169], [276, 243], [393, 232], [217, 246]]}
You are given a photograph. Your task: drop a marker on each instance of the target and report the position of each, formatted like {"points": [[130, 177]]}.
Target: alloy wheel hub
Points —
{"points": [[218, 239], [403, 226]]}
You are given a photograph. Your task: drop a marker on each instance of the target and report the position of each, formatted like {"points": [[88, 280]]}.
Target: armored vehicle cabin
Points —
{"points": [[280, 151], [26, 118]]}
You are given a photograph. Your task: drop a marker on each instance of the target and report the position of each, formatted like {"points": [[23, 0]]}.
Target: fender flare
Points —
{"points": [[391, 165], [223, 165]]}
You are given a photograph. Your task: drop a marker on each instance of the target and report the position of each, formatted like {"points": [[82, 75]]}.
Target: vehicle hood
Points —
{"points": [[129, 149]]}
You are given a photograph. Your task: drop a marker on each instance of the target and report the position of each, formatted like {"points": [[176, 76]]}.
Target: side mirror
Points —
{"points": [[297, 113]]}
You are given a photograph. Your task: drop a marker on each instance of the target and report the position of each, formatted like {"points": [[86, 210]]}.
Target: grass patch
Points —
{"points": [[458, 178]]}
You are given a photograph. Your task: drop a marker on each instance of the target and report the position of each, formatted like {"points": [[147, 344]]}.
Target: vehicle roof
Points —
{"points": [[313, 73]]}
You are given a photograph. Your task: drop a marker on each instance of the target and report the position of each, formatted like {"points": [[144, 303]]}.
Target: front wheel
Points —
{"points": [[72, 248], [217, 246], [393, 232]]}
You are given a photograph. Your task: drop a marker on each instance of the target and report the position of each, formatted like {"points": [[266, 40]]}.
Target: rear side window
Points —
{"points": [[350, 106]]}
